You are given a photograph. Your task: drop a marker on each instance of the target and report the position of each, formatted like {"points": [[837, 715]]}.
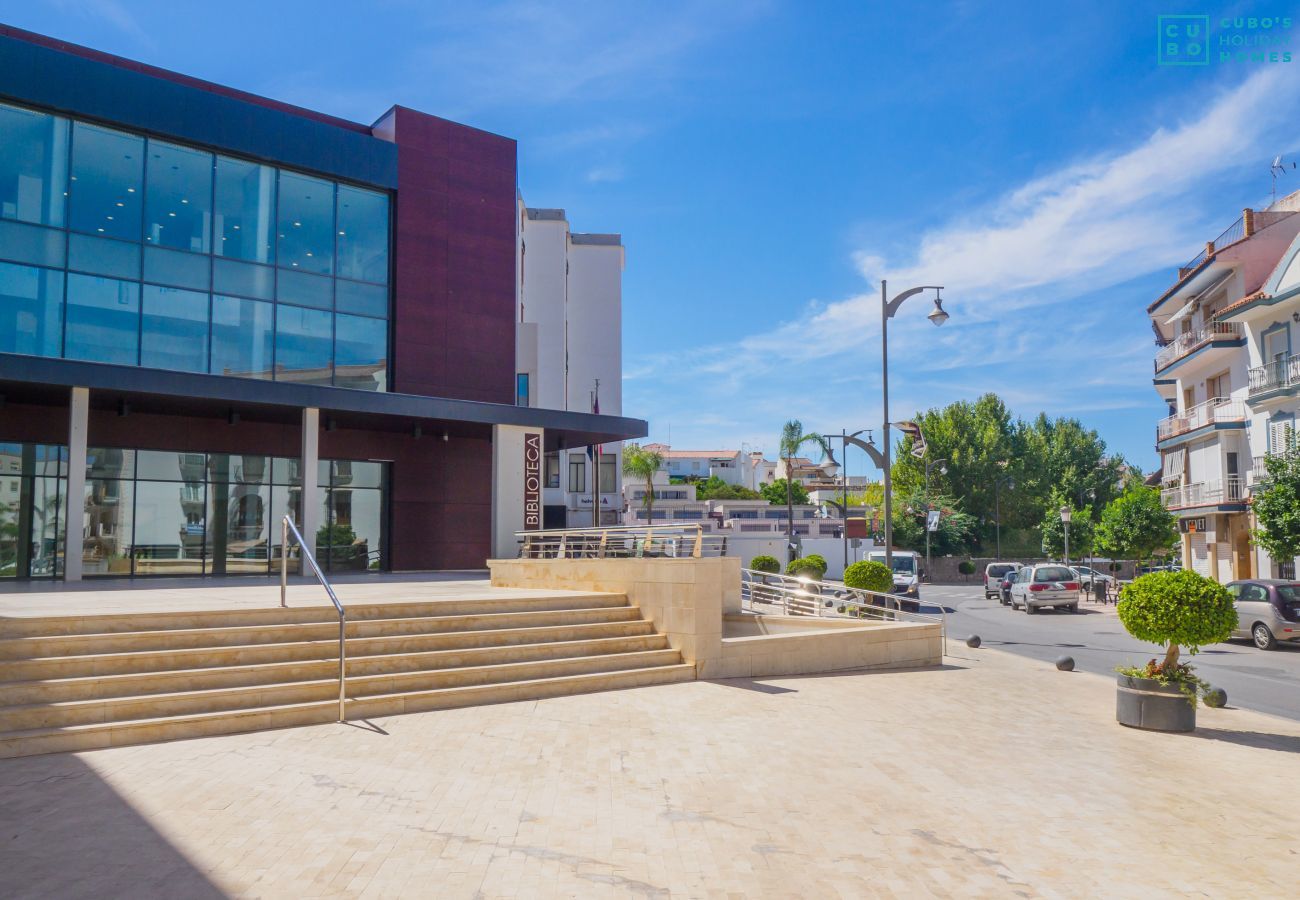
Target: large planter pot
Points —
{"points": [[1146, 703]]}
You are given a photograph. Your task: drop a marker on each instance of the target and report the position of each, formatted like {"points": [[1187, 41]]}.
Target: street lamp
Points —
{"points": [[1065, 520], [888, 308], [943, 470], [845, 440], [997, 500]]}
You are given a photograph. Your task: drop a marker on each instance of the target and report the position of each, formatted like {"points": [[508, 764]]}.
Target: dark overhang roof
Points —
{"points": [[181, 393]]}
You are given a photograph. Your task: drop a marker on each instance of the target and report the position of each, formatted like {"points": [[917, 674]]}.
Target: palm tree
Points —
{"points": [[641, 463], [793, 440]]}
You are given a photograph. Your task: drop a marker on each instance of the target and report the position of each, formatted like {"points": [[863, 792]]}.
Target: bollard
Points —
{"points": [[1216, 697], [973, 641], [1065, 664]]}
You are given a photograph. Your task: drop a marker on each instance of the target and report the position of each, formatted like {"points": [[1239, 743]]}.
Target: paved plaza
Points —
{"points": [[993, 776]]}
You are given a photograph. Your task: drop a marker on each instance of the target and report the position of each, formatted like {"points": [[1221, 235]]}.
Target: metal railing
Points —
{"points": [[1205, 493], [1193, 340], [1219, 409], [673, 540], [1281, 373], [768, 592], [286, 528]]}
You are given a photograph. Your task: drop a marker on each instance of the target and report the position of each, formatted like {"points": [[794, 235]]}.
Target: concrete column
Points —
{"points": [[78, 430], [517, 463], [308, 459], [1212, 548], [1187, 551]]}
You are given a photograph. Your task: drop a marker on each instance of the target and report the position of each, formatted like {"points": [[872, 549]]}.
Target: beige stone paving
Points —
{"points": [[996, 776]]}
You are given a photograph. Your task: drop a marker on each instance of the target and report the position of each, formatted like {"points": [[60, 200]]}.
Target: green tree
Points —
{"points": [[869, 575], [779, 491], [1276, 504], [793, 440], [641, 463], [714, 488], [1177, 609], [1053, 529], [1136, 525], [764, 563], [956, 532]]}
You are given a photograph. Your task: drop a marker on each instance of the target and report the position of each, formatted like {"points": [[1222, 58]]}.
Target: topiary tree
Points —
{"points": [[765, 563], [1175, 610], [966, 567], [819, 560], [812, 568], [869, 575]]}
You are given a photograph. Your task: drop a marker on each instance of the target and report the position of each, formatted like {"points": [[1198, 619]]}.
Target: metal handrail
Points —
{"points": [[286, 527], [805, 596], [612, 541]]}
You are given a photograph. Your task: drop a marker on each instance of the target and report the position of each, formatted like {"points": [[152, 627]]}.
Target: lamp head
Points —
{"points": [[1065, 514], [937, 315], [943, 470]]}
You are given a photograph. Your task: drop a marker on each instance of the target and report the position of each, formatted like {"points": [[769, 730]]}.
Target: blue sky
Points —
{"points": [[768, 162]]}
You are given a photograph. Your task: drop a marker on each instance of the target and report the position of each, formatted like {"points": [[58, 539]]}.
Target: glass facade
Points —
{"points": [[157, 512], [33, 510], [122, 248]]}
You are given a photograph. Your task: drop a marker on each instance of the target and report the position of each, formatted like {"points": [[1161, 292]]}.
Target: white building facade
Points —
{"points": [[569, 354], [1224, 332]]}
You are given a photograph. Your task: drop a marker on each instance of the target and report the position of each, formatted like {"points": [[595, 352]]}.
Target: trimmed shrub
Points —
{"points": [[765, 564], [966, 567], [1177, 609], [819, 560], [813, 568], [869, 575]]}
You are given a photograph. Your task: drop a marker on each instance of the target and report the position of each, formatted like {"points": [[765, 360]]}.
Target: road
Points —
{"points": [[1255, 679]]}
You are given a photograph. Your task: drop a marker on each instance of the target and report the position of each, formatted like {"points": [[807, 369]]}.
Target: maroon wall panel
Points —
{"points": [[454, 266]]}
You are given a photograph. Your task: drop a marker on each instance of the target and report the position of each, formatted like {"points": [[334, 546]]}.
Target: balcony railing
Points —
{"points": [[1193, 340], [1205, 493], [1220, 409], [1281, 373]]}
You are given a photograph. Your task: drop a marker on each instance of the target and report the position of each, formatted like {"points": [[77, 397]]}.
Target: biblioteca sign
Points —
{"points": [[532, 481]]}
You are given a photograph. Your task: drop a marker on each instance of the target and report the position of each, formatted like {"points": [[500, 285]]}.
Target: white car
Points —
{"points": [[1089, 576], [994, 572], [1045, 584]]}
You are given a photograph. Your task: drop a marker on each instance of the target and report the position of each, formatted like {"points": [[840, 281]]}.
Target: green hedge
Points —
{"points": [[814, 565], [765, 564], [869, 575]]}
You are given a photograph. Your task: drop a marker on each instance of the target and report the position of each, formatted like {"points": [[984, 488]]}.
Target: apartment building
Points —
{"points": [[569, 356], [1222, 364]]}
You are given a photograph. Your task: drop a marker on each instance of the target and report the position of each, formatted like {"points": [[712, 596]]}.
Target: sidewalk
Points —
{"points": [[993, 776]]}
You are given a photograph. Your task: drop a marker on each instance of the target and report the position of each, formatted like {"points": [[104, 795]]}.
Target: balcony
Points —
{"points": [[1186, 344], [1205, 493], [1279, 375], [1211, 412]]}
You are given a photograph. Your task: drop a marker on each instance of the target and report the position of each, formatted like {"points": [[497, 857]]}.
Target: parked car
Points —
{"points": [[1268, 611], [1004, 587], [1045, 584], [1088, 575], [994, 572]]}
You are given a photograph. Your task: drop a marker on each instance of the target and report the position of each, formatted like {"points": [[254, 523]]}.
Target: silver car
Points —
{"points": [[1045, 584], [1268, 611]]}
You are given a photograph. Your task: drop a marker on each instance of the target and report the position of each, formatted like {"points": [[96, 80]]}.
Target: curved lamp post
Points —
{"points": [[1065, 521], [888, 308]]}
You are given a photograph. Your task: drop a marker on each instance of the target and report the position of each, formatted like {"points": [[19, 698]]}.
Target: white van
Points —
{"points": [[907, 571]]}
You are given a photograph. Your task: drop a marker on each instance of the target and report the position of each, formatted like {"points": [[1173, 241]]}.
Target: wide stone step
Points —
{"points": [[136, 683], [105, 664], [38, 626], [119, 709], [141, 731], [190, 638]]}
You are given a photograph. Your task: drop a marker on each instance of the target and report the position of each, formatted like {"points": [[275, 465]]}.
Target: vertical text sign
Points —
{"points": [[532, 481]]}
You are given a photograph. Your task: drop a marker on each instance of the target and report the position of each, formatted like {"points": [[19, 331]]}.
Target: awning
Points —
{"points": [[1184, 312], [1174, 464]]}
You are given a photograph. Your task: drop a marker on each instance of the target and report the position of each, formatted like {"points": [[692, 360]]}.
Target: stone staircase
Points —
{"points": [[85, 682]]}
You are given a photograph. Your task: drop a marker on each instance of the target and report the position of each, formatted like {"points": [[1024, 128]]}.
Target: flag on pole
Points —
{"points": [[595, 450], [912, 430]]}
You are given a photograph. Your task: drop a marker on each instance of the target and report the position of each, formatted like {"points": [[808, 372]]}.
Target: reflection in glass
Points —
{"points": [[245, 279], [303, 345], [302, 289], [49, 517], [174, 333], [33, 166], [365, 299], [178, 269], [31, 310], [107, 175], [242, 335], [284, 499], [363, 235], [106, 539], [103, 256], [169, 465], [103, 320], [306, 224], [32, 510], [355, 533], [169, 520], [245, 210], [178, 197], [238, 524], [361, 352]]}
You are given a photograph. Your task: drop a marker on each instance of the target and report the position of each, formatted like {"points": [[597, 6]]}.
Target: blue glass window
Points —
{"points": [[31, 310], [363, 235], [242, 337], [33, 166], [366, 299], [301, 289], [103, 320], [178, 198], [174, 331], [245, 211], [521, 389], [306, 224], [361, 353], [107, 182], [303, 345]]}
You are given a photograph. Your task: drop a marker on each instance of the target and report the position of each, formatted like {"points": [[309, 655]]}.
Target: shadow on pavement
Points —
{"points": [[1286, 743]]}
